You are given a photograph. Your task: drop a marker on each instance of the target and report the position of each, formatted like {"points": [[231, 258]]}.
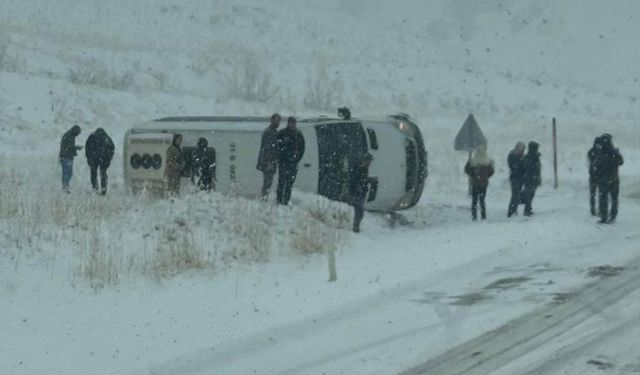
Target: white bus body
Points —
{"points": [[398, 170]]}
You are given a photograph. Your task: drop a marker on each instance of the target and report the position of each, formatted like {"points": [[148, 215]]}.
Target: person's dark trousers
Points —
{"points": [[206, 182], [286, 177], [593, 190], [267, 181], [477, 195], [608, 189], [527, 194], [358, 212], [103, 178], [516, 191]]}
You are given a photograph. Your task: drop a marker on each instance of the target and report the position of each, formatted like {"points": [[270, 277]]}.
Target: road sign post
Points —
{"points": [[555, 154]]}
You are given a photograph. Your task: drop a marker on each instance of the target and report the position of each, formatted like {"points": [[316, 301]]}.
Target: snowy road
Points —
{"points": [[541, 342], [387, 332]]}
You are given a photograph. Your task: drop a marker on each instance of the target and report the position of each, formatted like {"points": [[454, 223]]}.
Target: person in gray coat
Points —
{"points": [[268, 155]]}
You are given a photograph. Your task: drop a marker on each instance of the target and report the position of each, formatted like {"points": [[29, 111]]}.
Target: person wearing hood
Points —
{"points": [[531, 176], [607, 179], [99, 151], [68, 151], [174, 165], [479, 168], [592, 157], [515, 162]]}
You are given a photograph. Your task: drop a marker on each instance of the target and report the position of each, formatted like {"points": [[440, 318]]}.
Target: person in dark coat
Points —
{"points": [[479, 169], [592, 156], [99, 151], [531, 176], [291, 149], [268, 155], [174, 165], [607, 178], [204, 165], [68, 151], [515, 162], [358, 187]]}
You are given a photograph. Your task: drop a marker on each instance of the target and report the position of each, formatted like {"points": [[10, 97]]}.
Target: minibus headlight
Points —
{"points": [[404, 127]]}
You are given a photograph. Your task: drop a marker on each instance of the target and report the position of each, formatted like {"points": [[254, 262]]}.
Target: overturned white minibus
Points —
{"points": [[398, 170]]}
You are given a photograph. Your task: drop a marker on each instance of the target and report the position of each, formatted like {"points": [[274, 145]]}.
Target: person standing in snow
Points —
{"points": [[479, 168], [291, 149], [515, 162], [68, 151], [174, 165], [592, 156], [268, 155], [99, 151], [358, 187], [607, 178], [531, 176], [204, 165]]}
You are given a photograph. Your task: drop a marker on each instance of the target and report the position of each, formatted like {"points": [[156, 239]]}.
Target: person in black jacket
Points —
{"points": [[268, 155], [358, 187], [531, 176], [291, 149], [68, 151], [515, 162], [99, 151], [592, 156], [607, 178], [204, 165]]}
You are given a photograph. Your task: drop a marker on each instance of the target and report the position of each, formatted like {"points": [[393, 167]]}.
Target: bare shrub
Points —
{"points": [[330, 213], [8, 62], [109, 239], [311, 238], [91, 71], [243, 72], [176, 252], [324, 90], [99, 262]]}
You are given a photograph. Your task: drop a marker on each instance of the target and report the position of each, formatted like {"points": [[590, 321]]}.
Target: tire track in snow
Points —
{"points": [[496, 349]]}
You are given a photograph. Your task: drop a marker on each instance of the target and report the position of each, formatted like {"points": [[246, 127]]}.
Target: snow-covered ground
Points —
{"points": [[212, 285]]}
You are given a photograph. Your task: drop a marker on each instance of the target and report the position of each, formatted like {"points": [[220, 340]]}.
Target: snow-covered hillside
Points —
{"points": [[134, 285]]}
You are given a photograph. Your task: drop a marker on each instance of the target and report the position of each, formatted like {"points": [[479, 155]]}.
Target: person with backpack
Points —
{"points": [[479, 168], [291, 149], [99, 150], [531, 176], [68, 151], [608, 180]]}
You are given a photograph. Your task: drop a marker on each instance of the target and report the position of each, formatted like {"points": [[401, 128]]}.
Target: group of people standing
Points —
{"points": [[202, 165], [99, 149], [525, 178], [281, 152]]}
